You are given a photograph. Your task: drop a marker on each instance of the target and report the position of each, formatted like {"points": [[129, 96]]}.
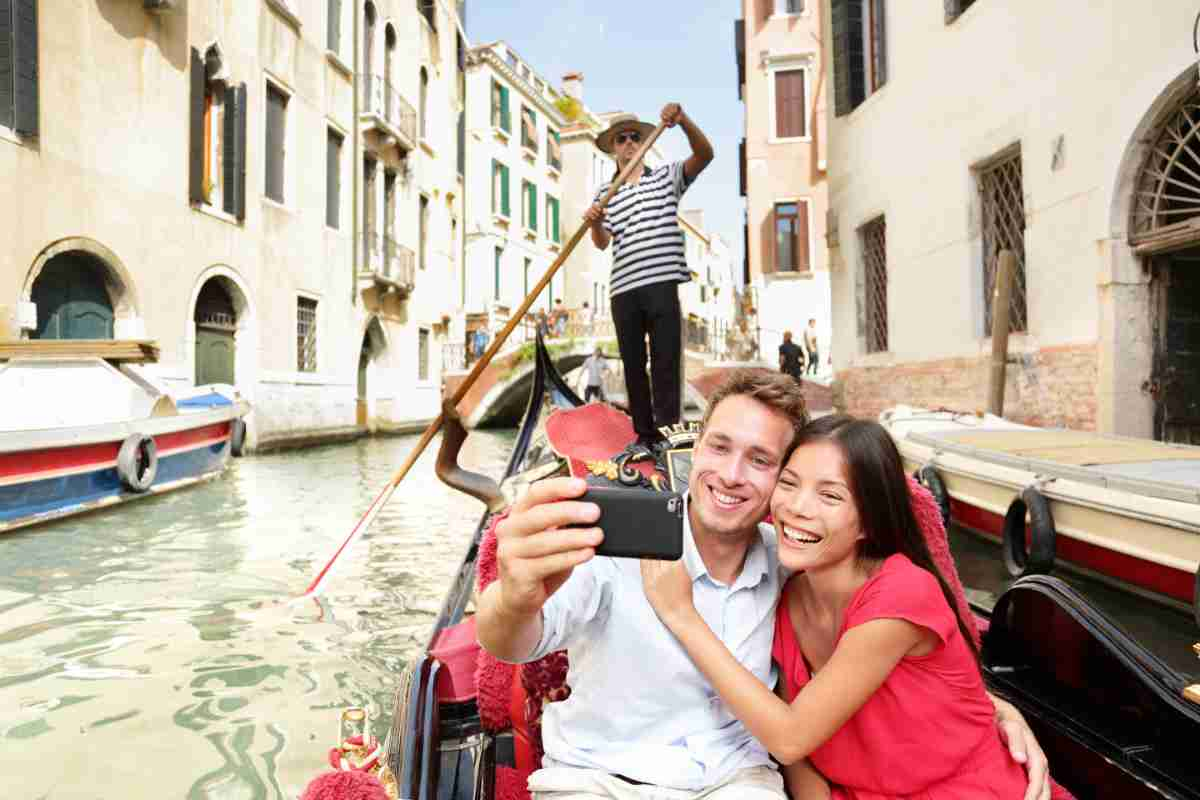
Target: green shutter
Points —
{"points": [[505, 122], [505, 207], [556, 230], [532, 207]]}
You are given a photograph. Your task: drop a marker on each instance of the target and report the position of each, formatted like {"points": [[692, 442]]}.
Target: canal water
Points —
{"points": [[150, 651]]}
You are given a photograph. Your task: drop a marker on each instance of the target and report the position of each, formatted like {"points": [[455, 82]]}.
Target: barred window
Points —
{"points": [[422, 354], [873, 237], [306, 334], [1002, 213], [859, 51]]}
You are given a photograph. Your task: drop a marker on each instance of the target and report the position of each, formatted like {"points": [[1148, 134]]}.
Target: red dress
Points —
{"points": [[929, 731]]}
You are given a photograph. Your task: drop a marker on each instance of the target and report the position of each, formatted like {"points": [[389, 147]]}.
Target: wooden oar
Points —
{"points": [[381, 500]]}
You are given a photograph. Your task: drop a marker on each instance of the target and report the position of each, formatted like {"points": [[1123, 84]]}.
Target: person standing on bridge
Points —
{"points": [[648, 262]]}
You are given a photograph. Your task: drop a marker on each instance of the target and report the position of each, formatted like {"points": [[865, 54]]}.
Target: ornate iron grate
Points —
{"points": [[1168, 188], [1003, 216], [874, 242], [306, 334]]}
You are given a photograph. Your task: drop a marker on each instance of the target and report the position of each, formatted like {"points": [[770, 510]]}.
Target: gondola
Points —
{"points": [[1115, 720]]}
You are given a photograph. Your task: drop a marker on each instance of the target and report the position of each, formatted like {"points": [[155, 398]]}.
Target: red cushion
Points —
{"points": [[458, 651]]}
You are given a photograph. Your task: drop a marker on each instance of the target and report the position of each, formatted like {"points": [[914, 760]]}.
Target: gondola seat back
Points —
{"points": [[1110, 714]]}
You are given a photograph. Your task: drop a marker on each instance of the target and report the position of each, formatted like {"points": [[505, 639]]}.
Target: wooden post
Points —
{"points": [[1001, 309]]}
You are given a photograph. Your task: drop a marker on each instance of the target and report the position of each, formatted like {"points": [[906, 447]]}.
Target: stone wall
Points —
{"points": [[1053, 386]]}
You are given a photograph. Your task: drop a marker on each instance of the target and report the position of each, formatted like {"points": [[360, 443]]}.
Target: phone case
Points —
{"points": [[639, 523]]}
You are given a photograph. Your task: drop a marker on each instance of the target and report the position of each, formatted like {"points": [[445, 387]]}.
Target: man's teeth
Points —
{"points": [[726, 499], [799, 536]]}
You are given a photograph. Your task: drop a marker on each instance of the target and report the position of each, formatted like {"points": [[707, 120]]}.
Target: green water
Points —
{"points": [[151, 650]]}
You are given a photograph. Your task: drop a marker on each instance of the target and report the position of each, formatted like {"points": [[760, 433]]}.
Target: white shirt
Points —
{"points": [[639, 707], [595, 367]]}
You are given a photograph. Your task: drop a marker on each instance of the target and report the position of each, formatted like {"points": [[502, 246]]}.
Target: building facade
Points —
{"points": [[782, 163], [1077, 161], [708, 302], [255, 186]]}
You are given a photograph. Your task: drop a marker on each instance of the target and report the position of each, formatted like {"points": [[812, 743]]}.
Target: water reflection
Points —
{"points": [[164, 632]]}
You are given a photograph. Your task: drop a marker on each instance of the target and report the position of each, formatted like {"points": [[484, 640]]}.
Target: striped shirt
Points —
{"points": [[643, 221]]}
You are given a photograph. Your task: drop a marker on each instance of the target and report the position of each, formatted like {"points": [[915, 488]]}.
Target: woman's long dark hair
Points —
{"points": [[880, 490]]}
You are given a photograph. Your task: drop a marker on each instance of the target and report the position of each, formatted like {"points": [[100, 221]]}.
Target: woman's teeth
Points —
{"points": [[800, 537]]}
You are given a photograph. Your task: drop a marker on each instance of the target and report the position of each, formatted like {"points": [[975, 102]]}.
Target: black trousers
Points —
{"points": [[652, 310], [814, 361], [592, 391]]}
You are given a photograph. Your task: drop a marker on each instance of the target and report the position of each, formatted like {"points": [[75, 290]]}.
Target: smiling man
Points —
{"points": [[641, 717]]}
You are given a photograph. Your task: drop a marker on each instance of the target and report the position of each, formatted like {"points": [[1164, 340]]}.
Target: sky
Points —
{"points": [[638, 55]]}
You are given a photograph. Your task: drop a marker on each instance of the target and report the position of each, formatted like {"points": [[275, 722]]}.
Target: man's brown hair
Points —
{"points": [[780, 392]]}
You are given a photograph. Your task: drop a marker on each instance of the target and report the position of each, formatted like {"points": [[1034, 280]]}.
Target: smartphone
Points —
{"points": [[638, 523]]}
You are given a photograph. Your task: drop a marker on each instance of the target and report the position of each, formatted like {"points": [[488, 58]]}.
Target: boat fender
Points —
{"points": [[928, 477], [1196, 603], [237, 436], [137, 462], [1040, 559]]}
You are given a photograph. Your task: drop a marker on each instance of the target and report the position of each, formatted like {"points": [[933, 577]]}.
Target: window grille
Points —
{"points": [[874, 244], [422, 354], [1167, 192], [306, 334], [1003, 221]]}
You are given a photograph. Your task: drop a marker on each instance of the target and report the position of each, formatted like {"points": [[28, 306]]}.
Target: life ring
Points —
{"points": [[137, 462], [928, 477], [237, 436], [1040, 558]]}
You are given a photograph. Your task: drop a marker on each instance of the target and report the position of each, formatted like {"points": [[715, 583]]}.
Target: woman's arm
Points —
{"points": [[803, 782]]}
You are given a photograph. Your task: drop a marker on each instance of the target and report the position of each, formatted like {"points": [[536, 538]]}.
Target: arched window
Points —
{"points": [[389, 78], [1167, 192], [424, 101], [368, 41]]}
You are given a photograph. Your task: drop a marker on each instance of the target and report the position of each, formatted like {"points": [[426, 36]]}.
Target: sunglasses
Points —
{"points": [[632, 136]]}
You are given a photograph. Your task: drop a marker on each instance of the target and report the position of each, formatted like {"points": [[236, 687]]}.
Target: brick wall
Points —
{"points": [[1055, 386]]}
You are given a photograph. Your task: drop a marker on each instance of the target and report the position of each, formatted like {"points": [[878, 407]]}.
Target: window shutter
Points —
{"points": [[239, 155], [849, 86], [505, 206], [25, 64], [557, 229], [229, 152], [505, 121], [767, 243], [801, 245], [765, 9], [333, 162], [879, 23], [7, 69], [335, 25], [196, 130], [275, 155], [533, 207]]}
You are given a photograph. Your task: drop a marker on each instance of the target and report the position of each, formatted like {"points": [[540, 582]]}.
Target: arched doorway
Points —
{"points": [[216, 334], [72, 298], [374, 344]]}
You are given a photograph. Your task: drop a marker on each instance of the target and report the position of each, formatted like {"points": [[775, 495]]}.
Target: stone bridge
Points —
{"points": [[498, 398]]}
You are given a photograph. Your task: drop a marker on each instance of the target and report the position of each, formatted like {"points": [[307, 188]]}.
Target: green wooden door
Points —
{"points": [[214, 356], [72, 302]]}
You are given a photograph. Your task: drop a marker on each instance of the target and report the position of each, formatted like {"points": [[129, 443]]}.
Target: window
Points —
{"points": [[552, 219], [306, 334], [528, 265], [956, 7], [529, 206], [428, 10], [791, 237], [501, 118], [276, 133], [422, 354], [789, 103], [423, 232], [873, 238], [784, 7], [511, 58], [333, 178], [500, 204], [217, 169], [528, 129], [19, 66], [424, 102], [1002, 213], [859, 51], [499, 254], [333, 41], [553, 149]]}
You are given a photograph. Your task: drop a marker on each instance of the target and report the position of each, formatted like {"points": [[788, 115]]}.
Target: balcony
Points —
{"points": [[388, 263], [386, 114]]}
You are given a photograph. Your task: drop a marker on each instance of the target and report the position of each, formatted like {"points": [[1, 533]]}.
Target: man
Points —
{"points": [[648, 262], [641, 720], [790, 356], [558, 318], [810, 344], [594, 368], [586, 318]]}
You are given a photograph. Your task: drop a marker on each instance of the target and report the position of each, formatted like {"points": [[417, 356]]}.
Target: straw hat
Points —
{"points": [[622, 122]]}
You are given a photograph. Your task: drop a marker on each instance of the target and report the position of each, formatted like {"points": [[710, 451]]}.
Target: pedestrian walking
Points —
{"points": [[790, 357], [559, 318], [595, 367], [810, 344], [648, 262]]}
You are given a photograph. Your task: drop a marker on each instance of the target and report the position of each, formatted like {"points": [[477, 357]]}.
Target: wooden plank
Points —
{"points": [[139, 351], [1073, 447]]}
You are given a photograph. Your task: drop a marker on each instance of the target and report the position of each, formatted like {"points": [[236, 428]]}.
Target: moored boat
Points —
{"points": [[1126, 511], [80, 432]]}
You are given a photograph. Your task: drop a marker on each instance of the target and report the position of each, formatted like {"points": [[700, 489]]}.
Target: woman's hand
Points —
{"points": [[669, 589]]}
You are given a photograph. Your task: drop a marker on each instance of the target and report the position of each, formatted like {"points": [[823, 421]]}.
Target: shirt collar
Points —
{"points": [[755, 569]]}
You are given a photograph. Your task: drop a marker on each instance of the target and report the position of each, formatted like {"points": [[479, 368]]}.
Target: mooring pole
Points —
{"points": [[1001, 310]]}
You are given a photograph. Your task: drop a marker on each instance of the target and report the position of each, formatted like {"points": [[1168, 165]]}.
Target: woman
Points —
{"points": [[880, 685]]}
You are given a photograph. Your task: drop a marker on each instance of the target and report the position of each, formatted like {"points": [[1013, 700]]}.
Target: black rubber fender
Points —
{"points": [[928, 477], [137, 462], [1040, 558], [237, 437]]}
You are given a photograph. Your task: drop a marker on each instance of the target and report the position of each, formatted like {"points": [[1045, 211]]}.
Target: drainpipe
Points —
{"points": [[354, 168]]}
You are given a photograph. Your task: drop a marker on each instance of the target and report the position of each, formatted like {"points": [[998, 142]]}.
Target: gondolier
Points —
{"points": [[648, 262]]}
